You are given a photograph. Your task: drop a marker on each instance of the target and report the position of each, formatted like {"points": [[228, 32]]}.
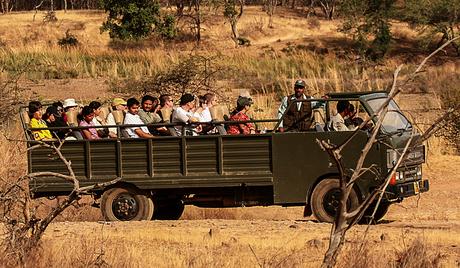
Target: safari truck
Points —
{"points": [[159, 176]]}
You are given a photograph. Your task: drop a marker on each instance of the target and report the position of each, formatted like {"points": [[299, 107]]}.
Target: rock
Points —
{"points": [[293, 226], [213, 232]]}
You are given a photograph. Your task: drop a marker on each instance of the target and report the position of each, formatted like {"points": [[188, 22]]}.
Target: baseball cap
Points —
{"points": [[299, 83], [118, 101], [243, 101]]}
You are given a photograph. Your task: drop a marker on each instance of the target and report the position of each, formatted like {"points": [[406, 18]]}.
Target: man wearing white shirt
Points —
{"points": [[184, 114], [132, 118]]}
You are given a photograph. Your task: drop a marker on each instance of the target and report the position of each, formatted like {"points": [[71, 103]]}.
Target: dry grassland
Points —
{"points": [[237, 237]]}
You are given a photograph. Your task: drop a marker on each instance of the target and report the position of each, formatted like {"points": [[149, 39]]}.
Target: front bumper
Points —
{"points": [[409, 188]]}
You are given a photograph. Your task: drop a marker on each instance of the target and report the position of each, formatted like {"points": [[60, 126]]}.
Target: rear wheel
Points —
{"points": [[126, 204], [168, 209], [325, 200]]}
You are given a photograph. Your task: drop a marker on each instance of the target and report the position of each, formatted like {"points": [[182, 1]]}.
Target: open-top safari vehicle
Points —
{"points": [[158, 176]]}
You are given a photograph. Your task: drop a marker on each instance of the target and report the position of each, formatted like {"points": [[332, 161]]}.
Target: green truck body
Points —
{"points": [[224, 170]]}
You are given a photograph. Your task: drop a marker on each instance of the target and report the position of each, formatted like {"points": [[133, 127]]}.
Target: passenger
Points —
{"points": [[299, 115], [69, 105], [149, 114], [132, 118], [36, 121], [184, 114], [118, 104], [99, 120], [352, 120], [337, 122], [53, 118], [239, 114], [87, 114], [166, 101], [203, 112]]}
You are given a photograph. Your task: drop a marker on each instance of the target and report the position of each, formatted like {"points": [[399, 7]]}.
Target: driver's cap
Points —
{"points": [[299, 83]]}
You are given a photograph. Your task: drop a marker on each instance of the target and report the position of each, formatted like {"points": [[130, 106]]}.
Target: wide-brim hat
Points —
{"points": [[69, 103]]}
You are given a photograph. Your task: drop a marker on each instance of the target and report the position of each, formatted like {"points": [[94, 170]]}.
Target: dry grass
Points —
{"points": [[229, 243]]}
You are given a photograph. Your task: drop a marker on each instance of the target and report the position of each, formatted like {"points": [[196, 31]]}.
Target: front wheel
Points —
{"points": [[379, 214], [126, 204], [325, 200], [168, 209]]}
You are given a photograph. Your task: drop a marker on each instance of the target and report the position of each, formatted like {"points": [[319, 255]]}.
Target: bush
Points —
{"points": [[69, 40], [130, 19], [167, 28]]}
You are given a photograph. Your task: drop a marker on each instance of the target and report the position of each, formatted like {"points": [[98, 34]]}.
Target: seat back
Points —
{"points": [[118, 116], [319, 119], [166, 114], [72, 118], [104, 112], [219, 112]]}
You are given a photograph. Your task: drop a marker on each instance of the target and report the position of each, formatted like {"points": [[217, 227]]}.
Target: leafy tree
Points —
{"points": [[130, 19], [233, 10], [435, 18], [368, 21]]}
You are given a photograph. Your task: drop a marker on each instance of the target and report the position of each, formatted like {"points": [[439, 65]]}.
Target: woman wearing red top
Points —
{"points": [[242, 106]]}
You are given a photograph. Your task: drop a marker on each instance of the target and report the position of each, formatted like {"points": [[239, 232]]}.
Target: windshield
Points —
{"points": [[394, 119]]}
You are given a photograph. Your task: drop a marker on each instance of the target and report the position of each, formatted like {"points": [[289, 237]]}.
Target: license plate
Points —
{"points": [[416, 187]]}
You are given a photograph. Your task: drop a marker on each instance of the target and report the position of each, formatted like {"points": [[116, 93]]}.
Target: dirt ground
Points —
{"points": [[268, 237]]}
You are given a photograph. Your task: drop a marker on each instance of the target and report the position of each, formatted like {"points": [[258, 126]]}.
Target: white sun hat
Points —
{"points": [[69, 103]]}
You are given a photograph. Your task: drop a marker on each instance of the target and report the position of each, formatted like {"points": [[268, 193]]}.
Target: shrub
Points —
{"points": [[130, 19], [69, 40]]}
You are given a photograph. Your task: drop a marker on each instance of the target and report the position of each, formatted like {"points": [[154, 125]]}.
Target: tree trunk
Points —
{"points": [[293, 4], [235, 35], [52, 6], [65, 6]]}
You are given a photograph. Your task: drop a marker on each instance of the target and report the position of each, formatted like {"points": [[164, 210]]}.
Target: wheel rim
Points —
{"points": [[331, 202], [125, 207]]}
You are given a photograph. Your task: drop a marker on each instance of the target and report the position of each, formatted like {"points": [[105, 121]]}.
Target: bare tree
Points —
{"points": [[328, 7], [270, 9], [345, 219], [24, 228]]}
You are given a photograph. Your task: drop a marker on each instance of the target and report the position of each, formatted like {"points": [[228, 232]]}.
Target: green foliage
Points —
{"points": [[167, 28], [130, 19], [369, 23], [434, 17], [230, 9]]}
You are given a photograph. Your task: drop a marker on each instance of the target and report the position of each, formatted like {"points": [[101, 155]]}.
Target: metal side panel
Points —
{"points": [[202, 156], [246, 154], [135, 159], [44, 159], [167, 156], [104, 158]]}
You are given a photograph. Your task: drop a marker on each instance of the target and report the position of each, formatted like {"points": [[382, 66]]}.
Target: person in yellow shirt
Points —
{"points": [[36, 121]]}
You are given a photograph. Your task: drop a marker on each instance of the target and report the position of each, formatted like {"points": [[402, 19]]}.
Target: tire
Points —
{"points": [[168, 210], [126, 204], [325, 200], [379, 214]]}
